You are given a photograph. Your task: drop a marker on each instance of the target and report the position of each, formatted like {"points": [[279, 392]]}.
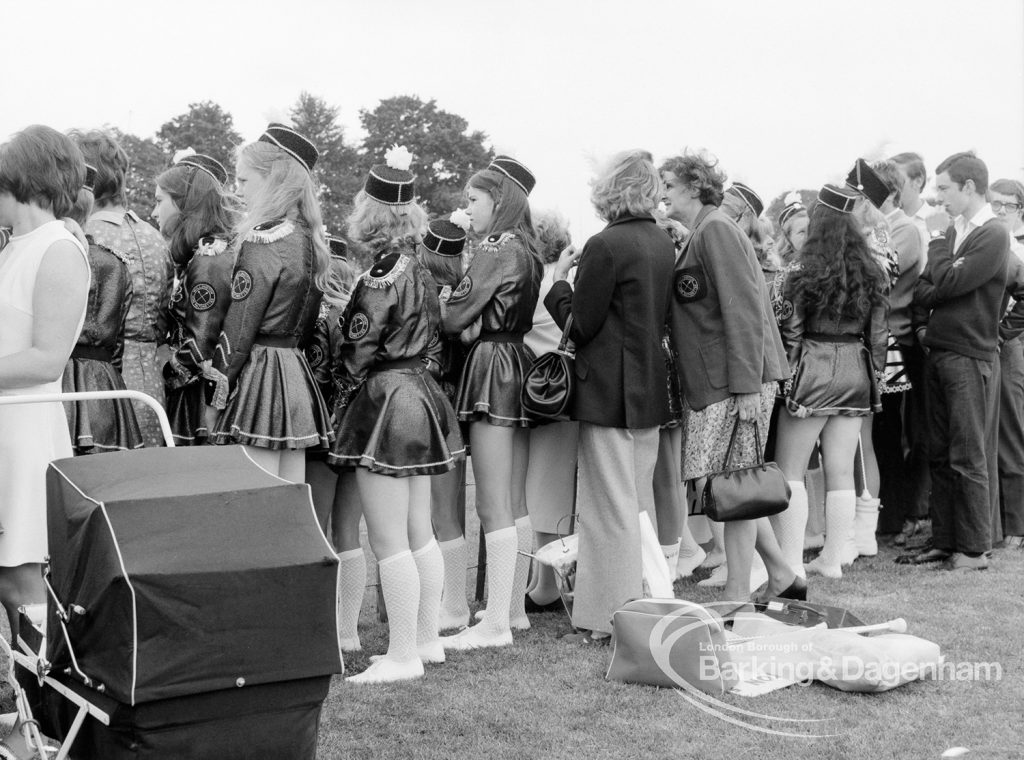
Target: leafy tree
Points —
{"points": [[145, 161], [207, 128], [445, 153], [808, 197], [338, 168]]}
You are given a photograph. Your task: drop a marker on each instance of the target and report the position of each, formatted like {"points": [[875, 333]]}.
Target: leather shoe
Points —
{"points": [[533, 607], [961, 561], [932, 555], [796, 590]]}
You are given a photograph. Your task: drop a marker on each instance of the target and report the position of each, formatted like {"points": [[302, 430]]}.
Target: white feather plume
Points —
{"points": [[277, 115], [460, 218], [792, 197], [398, 157], [183, 153]]}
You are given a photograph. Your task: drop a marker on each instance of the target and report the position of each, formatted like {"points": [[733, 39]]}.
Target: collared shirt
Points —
{"points": [[965, 227]]}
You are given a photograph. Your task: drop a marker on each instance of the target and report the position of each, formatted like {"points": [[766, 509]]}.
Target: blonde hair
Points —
{"points": [[627, 185], [289, 193], [552, 235], [379, 227]]}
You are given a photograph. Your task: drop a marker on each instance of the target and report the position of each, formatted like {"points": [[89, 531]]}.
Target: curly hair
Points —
{"points": [[379, 227], [552, 235], [698, 170], [111, 161], [627, 185], [838, 274]]}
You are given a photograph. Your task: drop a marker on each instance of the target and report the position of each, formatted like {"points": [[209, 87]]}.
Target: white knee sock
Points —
{"points": [[400, 583], [789, 527], [351, 588], [454, 607], [840, 507], [524, 543], [501, 570], [430, 566]]}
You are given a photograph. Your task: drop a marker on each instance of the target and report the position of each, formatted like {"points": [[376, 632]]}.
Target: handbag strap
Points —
{"points": [[565, 345], [732, 440]]}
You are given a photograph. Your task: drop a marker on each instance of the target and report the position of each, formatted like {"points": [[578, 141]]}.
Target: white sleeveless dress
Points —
{"points": [[31, 435]]}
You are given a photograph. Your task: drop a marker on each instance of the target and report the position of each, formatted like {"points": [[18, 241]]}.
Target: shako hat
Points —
{"points": [[90, 178], [291, 142], [205, 163], [866, 181], [515, 171], [794, 205], [444, 238], [840, 199], [752, 199], [391, 183]]}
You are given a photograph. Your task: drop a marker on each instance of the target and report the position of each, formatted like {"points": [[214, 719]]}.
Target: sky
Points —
{"points": [[785, 93]]}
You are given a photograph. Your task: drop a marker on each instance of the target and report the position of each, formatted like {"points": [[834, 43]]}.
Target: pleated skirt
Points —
{"points": [[490, 388], [102, 425], [276, 404], [400, 424]]}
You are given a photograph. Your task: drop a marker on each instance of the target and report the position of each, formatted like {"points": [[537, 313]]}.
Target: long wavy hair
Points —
{"points": [[204, 208], [838, 274], [378, 227], [289, 193], [511, 211]]}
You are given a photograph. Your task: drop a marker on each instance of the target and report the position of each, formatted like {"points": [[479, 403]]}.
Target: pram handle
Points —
{"points": [[152, 403]]}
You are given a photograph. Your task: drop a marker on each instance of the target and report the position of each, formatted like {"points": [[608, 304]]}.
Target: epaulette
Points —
{"points": [[211, 246], [496, 241], [384, 272], [268, 232]]}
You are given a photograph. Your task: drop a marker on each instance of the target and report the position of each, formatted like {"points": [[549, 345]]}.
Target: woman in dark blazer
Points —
{"points": [[619, 307], [730, 356]]}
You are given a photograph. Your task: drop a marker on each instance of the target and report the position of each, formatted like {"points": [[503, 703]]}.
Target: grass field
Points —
{"points": [[544, 698]]}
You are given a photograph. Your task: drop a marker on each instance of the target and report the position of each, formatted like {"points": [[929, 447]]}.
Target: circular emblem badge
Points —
{"points": [[787, 308], [462, 290], [315, 356], [358, 326], [203, 297], [687, 286], [241, 285]]}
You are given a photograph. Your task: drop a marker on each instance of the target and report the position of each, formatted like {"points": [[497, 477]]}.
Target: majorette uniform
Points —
{"points": [[392, 416], [261, 378], [95, 363], [501, 286], [198, 305]]}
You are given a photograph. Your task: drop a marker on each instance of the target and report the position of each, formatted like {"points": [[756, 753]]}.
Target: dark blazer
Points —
{"points": [[722, 325], [619, 308]]}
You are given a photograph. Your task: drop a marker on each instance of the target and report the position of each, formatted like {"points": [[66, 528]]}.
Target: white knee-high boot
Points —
{"points": [[454, 606], [351, 588], [789, 527], [840, 507], [865, 524], [430, 566], [493, 629]]}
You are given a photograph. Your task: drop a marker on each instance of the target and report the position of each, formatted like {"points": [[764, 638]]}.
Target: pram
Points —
{"points": [[191, 610]]}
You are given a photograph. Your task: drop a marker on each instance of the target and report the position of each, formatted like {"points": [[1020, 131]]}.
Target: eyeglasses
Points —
{"points": [[998, 206]]}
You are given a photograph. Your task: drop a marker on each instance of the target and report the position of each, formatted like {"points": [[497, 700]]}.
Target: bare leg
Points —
{"points": [[323, 482], [20, 585], [292, 465], [740, 536]]}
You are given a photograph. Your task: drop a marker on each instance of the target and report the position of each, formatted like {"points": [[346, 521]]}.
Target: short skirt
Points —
{"points": [[103, 425], [490, 388], [706, 435], [833, 378], [398, 424], [186, 410], [276, 404]]}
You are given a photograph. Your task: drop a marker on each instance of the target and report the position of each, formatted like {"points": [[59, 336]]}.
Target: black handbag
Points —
{"points": [[550, 383], [745, 493]]}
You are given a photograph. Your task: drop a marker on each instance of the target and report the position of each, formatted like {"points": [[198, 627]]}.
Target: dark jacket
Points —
{"points": [[722, 325], [619, 308], [965, 291], [110, 293]]}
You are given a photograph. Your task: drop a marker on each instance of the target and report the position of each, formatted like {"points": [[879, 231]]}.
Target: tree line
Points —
{"points": [[445, 151]]}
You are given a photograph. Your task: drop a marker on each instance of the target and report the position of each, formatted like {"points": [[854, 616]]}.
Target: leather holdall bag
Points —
{"points": [[550, 383], [745, 493]]}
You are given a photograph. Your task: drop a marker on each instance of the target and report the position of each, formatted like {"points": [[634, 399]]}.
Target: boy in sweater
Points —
{"points": [[963, 286]]}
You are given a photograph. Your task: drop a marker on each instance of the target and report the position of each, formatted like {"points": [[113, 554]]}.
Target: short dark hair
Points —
{"points": [[965, 166], [698, 170], [1008, 187], [890, 175], [111, 161], [39, 165], [912, 164]]}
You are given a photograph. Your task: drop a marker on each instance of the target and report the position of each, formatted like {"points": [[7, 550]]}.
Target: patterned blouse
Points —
{"points": [[150, 264]]}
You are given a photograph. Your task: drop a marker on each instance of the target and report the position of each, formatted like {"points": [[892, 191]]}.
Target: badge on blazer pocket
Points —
{"points": [[203, 297], [690, 285], [358, 326]]}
